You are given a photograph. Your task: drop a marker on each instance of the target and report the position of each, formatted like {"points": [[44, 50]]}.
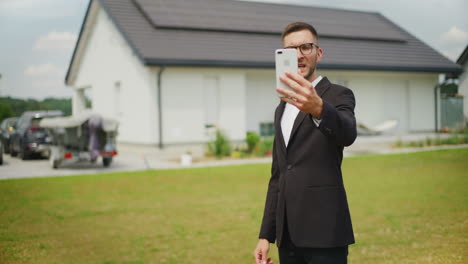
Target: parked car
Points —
{"points": [[28, 138], [7, 127]]}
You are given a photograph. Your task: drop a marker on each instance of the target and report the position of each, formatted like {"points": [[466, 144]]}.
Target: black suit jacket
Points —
{"points": [[306, 184]]}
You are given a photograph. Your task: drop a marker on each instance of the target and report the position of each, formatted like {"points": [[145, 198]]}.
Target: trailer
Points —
{"points": [[86, 136]]}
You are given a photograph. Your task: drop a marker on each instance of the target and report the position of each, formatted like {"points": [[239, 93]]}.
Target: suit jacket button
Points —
{"points": [[289, 167]]}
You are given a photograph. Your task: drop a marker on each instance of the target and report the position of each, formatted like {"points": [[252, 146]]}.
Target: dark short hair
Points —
{"points": [[298, 26]]}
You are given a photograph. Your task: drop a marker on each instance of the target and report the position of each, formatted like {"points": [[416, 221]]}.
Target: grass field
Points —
{"points": [[407, 208]]}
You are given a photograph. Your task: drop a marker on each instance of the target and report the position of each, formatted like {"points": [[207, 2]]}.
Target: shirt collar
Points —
{"points": [[317, 80]]}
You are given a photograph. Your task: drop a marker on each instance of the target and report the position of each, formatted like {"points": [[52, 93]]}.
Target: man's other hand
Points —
{"points": [[261, 252]]}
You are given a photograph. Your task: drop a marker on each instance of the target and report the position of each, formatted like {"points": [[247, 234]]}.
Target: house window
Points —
{"points": [[88, 98], [82, 99], [267, 129]]}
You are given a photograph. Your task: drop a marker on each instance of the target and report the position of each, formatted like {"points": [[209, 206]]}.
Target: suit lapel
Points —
{"points": [[321, 88], [297, 122], [279, 132]]}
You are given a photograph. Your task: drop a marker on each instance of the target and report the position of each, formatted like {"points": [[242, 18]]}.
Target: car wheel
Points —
{"points": [[55, 163], [106, 161], [13, 153], [22, 154], [6, 148]]}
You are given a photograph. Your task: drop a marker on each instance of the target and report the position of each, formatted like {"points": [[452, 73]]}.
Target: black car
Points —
{"points": [[7, 127], [29, 138]]}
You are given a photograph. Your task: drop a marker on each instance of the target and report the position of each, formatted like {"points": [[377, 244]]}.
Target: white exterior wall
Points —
{"points": [[463, 88], [422, 103], [184, 102], [121, 87], [381, 96], [262, 98]]}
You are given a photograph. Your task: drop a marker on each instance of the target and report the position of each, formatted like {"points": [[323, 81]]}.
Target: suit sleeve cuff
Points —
{"points": [[328, 114], [317, 121], [272, 241]]}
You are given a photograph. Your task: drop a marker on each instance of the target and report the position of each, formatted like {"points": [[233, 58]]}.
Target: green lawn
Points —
{"points": [[408, 208]]}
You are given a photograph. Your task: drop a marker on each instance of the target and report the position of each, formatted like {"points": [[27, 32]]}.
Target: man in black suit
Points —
{"points": [[306, 209]]}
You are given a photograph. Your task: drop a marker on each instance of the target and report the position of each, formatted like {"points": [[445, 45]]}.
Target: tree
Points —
{"points": [[5, 111], [18, 106]]}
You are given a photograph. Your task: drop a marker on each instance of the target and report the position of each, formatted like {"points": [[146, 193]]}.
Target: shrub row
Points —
{"points": [[254, 145]]}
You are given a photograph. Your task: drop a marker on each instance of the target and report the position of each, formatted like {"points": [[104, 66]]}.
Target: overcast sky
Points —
{"points": [[38, 36]]}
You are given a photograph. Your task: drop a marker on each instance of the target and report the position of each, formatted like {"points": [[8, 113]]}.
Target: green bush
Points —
{"points": [[399, 143], [252, 140], [220, 147], [428, 141], [266, 146], [454, 139]]}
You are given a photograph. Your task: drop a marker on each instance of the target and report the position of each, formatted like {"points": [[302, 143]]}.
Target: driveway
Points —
{"points": [[143, 157], [129, 158], [17, 168]]}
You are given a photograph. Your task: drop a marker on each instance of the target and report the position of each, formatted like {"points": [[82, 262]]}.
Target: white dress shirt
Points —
{"points": [[290, 114]]}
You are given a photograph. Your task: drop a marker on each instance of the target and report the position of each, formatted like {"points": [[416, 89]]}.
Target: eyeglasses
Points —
{"points": [[305, 48]]}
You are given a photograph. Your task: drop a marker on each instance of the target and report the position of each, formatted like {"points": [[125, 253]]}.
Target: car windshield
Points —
{"points": [[35, 122], [11, 122]]}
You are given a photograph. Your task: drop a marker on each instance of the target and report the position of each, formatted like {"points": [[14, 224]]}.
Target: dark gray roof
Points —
{"points": [[237, 16], [245, 34]]}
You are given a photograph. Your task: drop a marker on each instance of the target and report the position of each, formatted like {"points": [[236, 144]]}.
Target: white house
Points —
{"points": [[463, 80], [170, 69]]}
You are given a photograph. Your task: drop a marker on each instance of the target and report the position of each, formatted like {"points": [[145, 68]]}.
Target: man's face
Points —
{"points": [[306, 63]]}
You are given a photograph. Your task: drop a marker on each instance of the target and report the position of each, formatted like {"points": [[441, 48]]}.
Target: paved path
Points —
{"points": [[137, 157]]}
